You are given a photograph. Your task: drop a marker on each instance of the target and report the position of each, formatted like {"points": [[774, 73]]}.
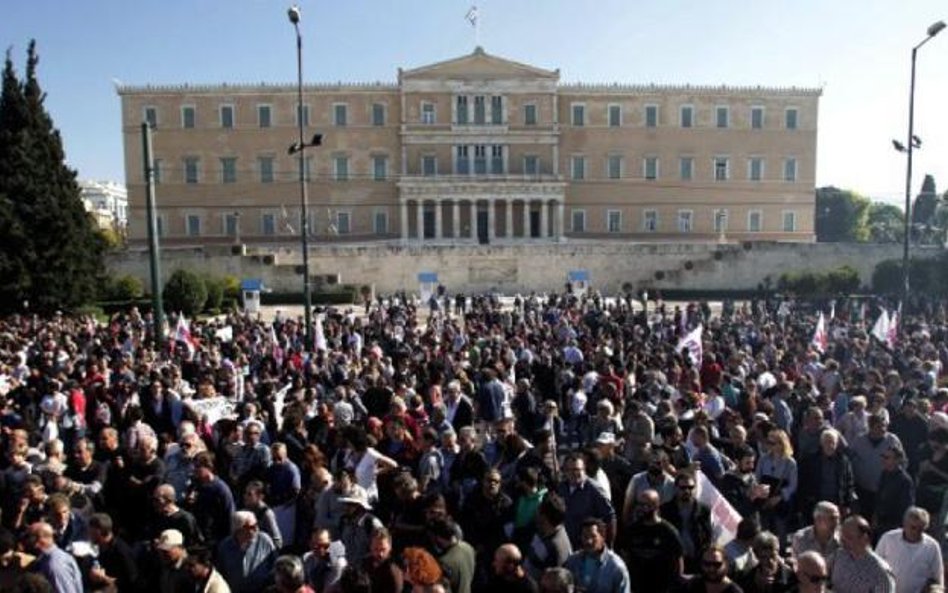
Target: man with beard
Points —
{"points": [[655, 477], [713, 576], [652, 549], [484, 516], [692, 520], [740, 487], [596, 568]]}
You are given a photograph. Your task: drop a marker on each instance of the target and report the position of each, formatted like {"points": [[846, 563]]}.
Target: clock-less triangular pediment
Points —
{"points": [[478, 64]]}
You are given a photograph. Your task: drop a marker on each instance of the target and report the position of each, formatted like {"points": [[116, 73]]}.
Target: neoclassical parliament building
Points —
{"points": [[477, 149]]}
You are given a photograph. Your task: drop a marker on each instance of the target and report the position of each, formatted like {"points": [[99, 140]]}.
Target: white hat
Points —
{"points": [[357, 498], [170, 538], [606, 438]]}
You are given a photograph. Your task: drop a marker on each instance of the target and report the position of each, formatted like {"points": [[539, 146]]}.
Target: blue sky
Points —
{"points": [[858, 50]]}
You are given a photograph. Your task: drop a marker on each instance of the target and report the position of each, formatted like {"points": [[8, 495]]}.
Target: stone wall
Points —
{"points": [[541, 267]]}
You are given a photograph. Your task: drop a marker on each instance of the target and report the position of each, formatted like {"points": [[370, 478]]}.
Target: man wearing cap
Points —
{"points": [[616, 467], [357, 525], [246, 557], [173, 576]]}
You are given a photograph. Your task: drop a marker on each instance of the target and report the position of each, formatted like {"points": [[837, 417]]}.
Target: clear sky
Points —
{"points": [[857, 50]]}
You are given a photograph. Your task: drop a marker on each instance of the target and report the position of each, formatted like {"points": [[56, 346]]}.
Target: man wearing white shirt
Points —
{"points": [[913, 555]]}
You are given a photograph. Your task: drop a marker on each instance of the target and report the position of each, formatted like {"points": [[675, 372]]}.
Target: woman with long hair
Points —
{"points": [[777, 469]]}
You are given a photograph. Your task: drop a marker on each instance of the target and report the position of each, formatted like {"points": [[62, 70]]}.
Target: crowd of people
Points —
{"points": [[564, 443]]}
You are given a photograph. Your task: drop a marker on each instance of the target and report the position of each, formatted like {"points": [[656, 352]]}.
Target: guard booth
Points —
{"points": [[250, 290], [427, 285], [578, 281]]}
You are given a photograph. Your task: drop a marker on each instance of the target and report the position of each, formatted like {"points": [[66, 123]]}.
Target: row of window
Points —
{"points": [[266, 169], [651, 169], [271, 224], [478, 110], [686, 116], [226, 115], [651, 223], [484, 160]]}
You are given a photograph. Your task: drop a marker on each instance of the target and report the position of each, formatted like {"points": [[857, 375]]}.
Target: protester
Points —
{"points": [[521, 423]]}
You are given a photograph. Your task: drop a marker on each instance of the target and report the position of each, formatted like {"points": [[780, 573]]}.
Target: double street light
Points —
{"points": [[299, 148], [912, 142]]}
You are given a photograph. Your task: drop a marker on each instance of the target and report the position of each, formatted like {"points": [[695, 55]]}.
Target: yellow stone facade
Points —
{"points": [[475, 149]]}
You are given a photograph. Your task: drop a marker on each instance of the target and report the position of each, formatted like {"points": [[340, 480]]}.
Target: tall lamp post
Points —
{"points": [[913, 142], [299, 148]]}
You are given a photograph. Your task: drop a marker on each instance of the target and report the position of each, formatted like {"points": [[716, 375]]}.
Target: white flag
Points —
{"points": [[182, 333], [692, 342], [225, 334], [724, 519], [320, 336], [819, 340], [892, 332], [881, 329], [471, 16]]}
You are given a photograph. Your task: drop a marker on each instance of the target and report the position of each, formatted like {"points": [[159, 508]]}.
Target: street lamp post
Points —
{"points": [[912, 143], [300, 148]]}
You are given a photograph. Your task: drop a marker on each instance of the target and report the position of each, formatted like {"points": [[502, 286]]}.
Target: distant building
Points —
{"points": [[476, 149], [107, 201]]}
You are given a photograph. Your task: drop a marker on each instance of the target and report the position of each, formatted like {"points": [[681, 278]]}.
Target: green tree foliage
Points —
{"points": [[215, 293], [926, 276], [923, 212], [50, 255], [186, 292], [841, 216], [126, 288], [886, 223], [842, 280]]}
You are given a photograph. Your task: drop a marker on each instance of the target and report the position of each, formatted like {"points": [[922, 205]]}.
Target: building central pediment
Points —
{"points": [[478, 65]]}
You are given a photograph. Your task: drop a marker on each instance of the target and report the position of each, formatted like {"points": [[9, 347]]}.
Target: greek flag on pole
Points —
{"points": [[819, 340], [471, 15], [881, 329], [892, 332], [692, 342], [182, 333]]}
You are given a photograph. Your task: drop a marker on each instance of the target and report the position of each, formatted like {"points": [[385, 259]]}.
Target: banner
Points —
{"points": [[819, 340], [692, 342], [214, 408], [724, 518], [881, 329]]}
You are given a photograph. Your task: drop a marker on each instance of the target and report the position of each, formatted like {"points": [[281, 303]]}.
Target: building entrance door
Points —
{"points": [[429, 219], [483, 236]]}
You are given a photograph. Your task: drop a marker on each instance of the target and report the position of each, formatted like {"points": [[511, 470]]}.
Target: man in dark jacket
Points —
{"points": [[826, 475], [896, 488], [691, 519]]}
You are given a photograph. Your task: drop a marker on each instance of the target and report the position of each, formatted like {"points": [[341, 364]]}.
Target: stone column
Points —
{"points": [[439, 232], [526, 219], [456, 225], [560, 219], [544, 219], [404, 209], [491, 220], [420, 219], [510, 233], [473, 230]]}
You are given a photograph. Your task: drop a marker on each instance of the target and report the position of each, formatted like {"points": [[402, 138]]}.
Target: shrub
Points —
{"points": [[215, 293], [125, 288], [186, 292], [842, 280]]}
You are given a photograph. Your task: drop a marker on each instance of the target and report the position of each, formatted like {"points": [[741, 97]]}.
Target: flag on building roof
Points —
{"points": [[471, 16]]}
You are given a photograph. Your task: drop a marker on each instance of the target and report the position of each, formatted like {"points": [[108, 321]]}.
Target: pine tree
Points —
{"points": [[52, 256], [925, 202]]}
